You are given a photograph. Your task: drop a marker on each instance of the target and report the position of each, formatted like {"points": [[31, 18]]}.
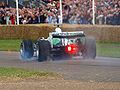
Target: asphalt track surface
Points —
{"points": [[102, 69]]}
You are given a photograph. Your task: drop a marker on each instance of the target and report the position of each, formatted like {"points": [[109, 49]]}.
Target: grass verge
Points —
{"points": [[10, 45], [15, 74], [106, 49]]}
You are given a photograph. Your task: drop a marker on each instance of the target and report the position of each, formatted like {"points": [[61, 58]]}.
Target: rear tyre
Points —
{"points": [[89, 51], [26, 49], [43, 50]]}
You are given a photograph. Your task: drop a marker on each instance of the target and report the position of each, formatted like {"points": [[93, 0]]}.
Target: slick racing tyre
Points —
{"points": [[89, 51], [26, 49], [43, 50]]}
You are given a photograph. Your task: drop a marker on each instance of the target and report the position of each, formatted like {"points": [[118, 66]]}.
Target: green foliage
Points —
{"points": [[22, 73], [9, 45], [108, 49]]}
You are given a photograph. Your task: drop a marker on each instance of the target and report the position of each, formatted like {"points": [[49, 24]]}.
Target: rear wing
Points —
{"points": [[67, 34]]}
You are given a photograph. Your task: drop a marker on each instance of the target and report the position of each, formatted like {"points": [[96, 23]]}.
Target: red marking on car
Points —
{"points": [[71, 49]]}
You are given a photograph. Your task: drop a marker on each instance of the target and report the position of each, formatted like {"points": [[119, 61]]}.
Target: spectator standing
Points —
{"points": [[7, 18], [42, 17], [3, 19], [12, 19], [0, 18], [49, 18], [35, 19]]}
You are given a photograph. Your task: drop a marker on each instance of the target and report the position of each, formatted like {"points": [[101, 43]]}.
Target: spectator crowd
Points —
{"points": [[74, 12]]}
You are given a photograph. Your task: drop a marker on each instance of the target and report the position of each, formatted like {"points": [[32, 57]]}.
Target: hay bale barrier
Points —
{"points": [[104, 33]]}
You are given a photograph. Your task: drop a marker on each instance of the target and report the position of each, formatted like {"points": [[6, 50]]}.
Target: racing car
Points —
{"points": [[59, 45]]}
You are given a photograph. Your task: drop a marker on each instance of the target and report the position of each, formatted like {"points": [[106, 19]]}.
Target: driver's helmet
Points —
{"points": [[58, 30]]}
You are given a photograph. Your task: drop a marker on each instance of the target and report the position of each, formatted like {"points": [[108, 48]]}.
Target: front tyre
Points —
{"points": [[26, 49]]}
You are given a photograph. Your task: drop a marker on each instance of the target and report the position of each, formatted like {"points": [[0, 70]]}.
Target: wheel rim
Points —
{"points": [[37, 53], [22, 51]]}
